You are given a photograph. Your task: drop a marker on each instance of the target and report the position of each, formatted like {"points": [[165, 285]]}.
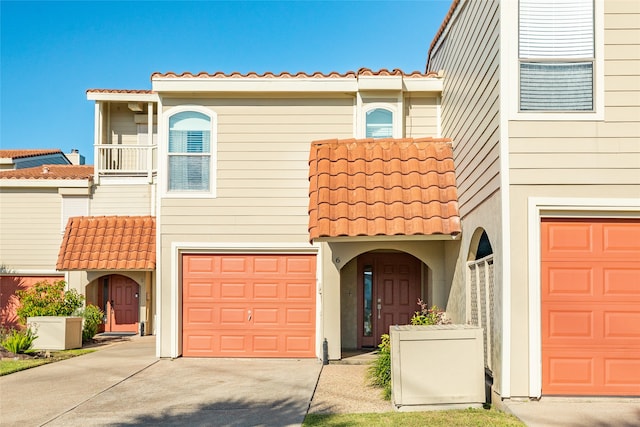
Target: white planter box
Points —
{"points": [[436, 366], [56, 332]]}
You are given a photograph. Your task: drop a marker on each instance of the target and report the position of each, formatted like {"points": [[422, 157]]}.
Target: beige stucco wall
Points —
{"points": [[122, 199]]}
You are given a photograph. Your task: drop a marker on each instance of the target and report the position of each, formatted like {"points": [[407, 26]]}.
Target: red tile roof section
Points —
{"points": [[108, 243], [287, 75], [443, 26], [50, 172], [372, 187], [19, 154]]}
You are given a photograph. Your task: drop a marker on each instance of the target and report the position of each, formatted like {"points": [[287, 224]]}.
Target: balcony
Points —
{"points": [[126, 160]]}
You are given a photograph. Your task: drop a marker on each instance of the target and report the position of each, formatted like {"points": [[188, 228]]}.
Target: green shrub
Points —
{"points": [[428, 316], [380, 371], [92, 319], [18, 341], [48, 299]]}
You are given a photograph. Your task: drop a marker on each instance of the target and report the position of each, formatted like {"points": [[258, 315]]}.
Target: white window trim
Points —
{"points": [[512, 71], [181, 248], [364, 107], [163, 140], [538, 208]]}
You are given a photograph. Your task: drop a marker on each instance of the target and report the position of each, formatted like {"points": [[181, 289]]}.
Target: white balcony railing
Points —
{"points": [[126, 160]]}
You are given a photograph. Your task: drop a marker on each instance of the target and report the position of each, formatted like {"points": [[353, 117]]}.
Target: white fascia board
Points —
{"points": [[427, 84], [44, 183], [122, 97], [255, 85], [397, 238], [6, 161], [380, 83]]}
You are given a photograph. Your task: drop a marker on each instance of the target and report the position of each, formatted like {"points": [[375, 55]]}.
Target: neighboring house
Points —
{"points": [[20, 158], [542, 99], [283, 210]]}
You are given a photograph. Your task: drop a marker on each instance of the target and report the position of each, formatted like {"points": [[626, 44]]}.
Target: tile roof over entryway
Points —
{"points": [[382, 187], [108, 243]]}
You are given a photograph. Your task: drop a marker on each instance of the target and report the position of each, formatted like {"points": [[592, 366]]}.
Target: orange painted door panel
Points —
{"points": [[122, 310], [590, 278], [248, 305]]}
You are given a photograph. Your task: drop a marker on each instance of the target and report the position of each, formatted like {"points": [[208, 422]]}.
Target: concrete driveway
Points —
{"points": [[124, 384]]}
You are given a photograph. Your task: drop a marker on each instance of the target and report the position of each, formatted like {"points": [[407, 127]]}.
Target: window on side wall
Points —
{"points": [[189, 152], [556, 55], [379, 123]]}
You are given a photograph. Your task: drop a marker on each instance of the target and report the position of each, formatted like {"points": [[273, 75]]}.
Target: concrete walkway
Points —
{"points": [[124, 384]]}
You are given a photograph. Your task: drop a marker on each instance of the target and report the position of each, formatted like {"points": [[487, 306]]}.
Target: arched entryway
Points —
{"points": [[119, 297], [388, 287]]}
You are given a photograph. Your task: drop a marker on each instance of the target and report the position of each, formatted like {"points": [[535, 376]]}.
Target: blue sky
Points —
{"points": [[52, 52]]}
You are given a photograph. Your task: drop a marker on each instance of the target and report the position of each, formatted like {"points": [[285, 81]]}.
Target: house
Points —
{"points": [[542, 99], [20, 158], [269, 215]]}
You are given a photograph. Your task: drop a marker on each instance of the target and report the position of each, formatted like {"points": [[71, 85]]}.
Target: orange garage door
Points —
{"points": [[248, 305], [590, 307]]}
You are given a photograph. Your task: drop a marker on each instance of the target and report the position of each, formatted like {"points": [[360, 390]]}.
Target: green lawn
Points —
{"points": [[9, 366], [450, 418]]}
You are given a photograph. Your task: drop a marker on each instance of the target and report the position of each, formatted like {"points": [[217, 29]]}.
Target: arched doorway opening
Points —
{"points": [[388, 287], [119, 297]]}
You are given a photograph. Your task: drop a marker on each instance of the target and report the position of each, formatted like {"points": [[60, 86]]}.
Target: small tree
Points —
{"points": [[48, 299]]}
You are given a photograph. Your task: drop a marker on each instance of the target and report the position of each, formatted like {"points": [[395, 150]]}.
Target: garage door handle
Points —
{"points": [[249, 318]]}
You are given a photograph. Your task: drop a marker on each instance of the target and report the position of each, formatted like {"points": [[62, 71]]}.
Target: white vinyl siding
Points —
{"points": [[557, 55]]}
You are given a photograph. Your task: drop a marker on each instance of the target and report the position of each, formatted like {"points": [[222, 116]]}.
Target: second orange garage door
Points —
{"points": [[248, 305], [591, 307]]}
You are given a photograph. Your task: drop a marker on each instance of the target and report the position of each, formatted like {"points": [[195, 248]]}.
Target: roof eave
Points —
{"points": [[385, 238], [122, 97], [44, 183]]}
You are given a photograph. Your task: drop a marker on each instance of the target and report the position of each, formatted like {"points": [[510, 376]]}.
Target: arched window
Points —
{"points": [[189, 152], [484, 246], [379, 123]]}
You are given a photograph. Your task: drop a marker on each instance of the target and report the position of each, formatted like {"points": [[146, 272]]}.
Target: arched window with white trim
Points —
{"points": [[189, 151], [379, 123]]}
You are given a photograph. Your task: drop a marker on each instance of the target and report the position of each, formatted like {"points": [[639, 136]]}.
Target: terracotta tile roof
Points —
{"points": [[50, 172], [372, 187], [140, 91], [287, 75], [443, 26], [108, 243], [19, 154]]}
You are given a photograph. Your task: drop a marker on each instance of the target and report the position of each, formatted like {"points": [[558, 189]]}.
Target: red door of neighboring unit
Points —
{"points": [[389, 286], [122, 305], [248, 305], [590, 307]]}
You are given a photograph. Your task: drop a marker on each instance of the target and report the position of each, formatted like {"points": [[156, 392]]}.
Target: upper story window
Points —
{"points": [[556, 55], [190, 152], [379, 123]]}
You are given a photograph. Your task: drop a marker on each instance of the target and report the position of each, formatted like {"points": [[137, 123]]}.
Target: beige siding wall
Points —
{"points": [[469, 57], [30, 228], [592, 152], [122, 128], [128, 199], [421, 116], [571, 159], [262, 177]]}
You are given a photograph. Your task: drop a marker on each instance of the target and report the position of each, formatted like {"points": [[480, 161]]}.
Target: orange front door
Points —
{"points": [[248, 305], [122, 305], [590, 301], [389, 286]]}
